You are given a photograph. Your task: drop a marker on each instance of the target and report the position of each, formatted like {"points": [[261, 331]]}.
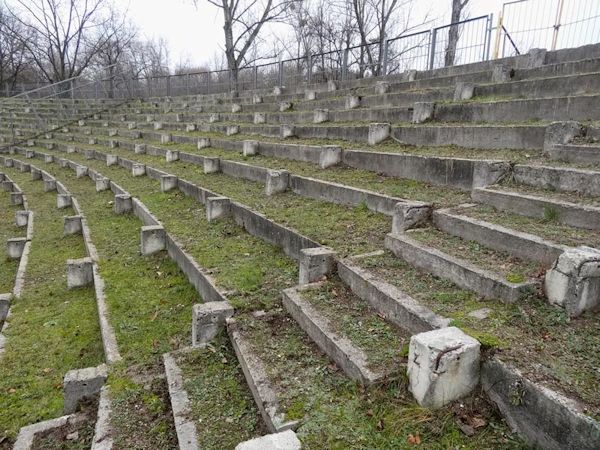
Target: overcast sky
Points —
{"points": [[195, 33]]}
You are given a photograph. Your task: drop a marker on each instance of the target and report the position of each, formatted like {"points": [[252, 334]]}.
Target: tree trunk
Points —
{"points": [[453, 33]]}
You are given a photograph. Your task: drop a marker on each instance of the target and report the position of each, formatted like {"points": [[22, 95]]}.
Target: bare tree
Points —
{"points": [[15, 64], [62, 37], [453, 32], [243, 20]]}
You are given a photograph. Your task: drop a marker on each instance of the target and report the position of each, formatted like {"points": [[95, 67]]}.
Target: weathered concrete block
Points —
{"points": [[407, 216], [286, 440], [536, 57], [409, 75], [214, 117], [113, 144], [81, 171], [172, 155], [310, 94], [29, 154], [378, 132], [80, 272], [153, 239], [105, 124], [287, 131], [22, 218], [285, 106], [331, 86], [250, 148], [5, 300], [256, 99], [49, 135], [423, 112], [382, 87], [236, 108], [81, 123], [352, 101], [149, 118], [166, 138], [321, 115], [179, 117], [138, 170], [30, 143], [123, 118], [573, 282], [203, 143], [139, 149], [463, 91], [8, 162], [82, 384], [89, 154], [36, 174], [92, 141], [207, 321], [49, 185], [50, 146], [131, 126], [217, 207], [112, 160], [232, 129], [443, 366], [102, 184], [315, 263], [277, 90], [277, 181], [259, 118], [168, 183], [561, 133], [113, 132], [158, 126], [135, 134], [63, 201], [48, 159], [212, 165], [122, 204], [486, 173], [65, 129], [190, 127], [15, 247], [63, 163], [330, 155], [72, 225], [501, 73]]}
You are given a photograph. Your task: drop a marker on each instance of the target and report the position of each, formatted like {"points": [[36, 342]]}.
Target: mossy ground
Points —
{"points": [[52, 329]]}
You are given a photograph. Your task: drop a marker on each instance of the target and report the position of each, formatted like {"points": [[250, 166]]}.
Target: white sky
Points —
{"points": [[195, 34]]}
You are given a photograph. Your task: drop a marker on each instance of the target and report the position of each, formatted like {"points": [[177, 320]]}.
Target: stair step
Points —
{"points": [[577, 153]]}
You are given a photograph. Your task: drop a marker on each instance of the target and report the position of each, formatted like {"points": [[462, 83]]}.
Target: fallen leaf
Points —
{"points": [[414, 439]]}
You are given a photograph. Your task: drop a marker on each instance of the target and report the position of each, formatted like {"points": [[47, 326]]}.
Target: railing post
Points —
{"points": [[309, 68], [557, 23], [208, 77], [432, 48], [187, 84], [345, 64], [168, 85], [488, 37], [499, 26], [255, 76], [384, 65], [280, 80]]}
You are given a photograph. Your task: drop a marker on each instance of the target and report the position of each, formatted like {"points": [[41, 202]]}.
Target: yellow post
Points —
{"points": [[559, 11], [498, 35]]}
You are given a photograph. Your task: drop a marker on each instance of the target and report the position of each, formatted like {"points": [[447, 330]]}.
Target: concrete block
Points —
{"points": [[153, 239], [81, 171], [92, 141], [113, 132], [168, 183], [331, 86], [16, 198], [203, 143], [172, 155], [48, 159], [65, 129], [87, 131], [102, 184], [277, 90], [15, 247], [536, 57], [123, 118], [286, 440], [250, 148], [22, 218], [113, 144], [138, 170], [131, 126], [135, 135], [80, 272], [122, 204], [277, 181], [190, 127], [330, 155], [407, 216], [30, 143], [49, 185], [63, 163], [36, 174], [72, 225], [573, 282], [158, 126], [409, 75], [236, 108], [63, 201], [212, 165], [179, 117], [382, 87], [259, 118], [378, 132], [50, 146], [81, 123], [352, 101], [423, 112], [217, 207], [105, 124], [501, 73], [443, 366], [8, 186], [321, 115], [89, 154], [149, 118], [213, 118], [287, 131], [207, 321], [256, 99], [315, 263], [166, 138], [285, 106], [8, 163], [5, 300], [29, 154], [82, 384], [112, 160], [310, 94], [561, 133], [49, 135], [232, 129], [139, 149], [463, 91]]}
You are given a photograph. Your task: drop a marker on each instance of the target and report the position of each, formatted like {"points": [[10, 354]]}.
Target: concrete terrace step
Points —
{"points": [[563, 179], [463, 273], [577, 153]]}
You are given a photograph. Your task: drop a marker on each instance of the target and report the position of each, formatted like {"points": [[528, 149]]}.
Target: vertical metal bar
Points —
{"points": [[559, 11], [280, 75], [385, 57], [309, 69], [255, 76], [187, 84], [432, 48], [499, 26], [345, 64]]}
